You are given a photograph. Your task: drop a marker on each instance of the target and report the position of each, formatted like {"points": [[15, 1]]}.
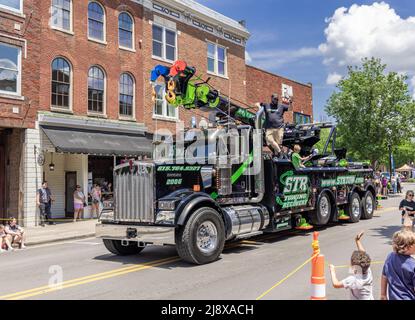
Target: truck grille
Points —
{"points": [[134, 193]]}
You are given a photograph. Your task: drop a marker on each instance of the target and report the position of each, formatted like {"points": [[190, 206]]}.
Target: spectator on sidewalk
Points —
{"points": [[384, 186], [96, 196], [360, 283], [5, 240], [398, 276], [399, 183], [79, 201], [407, 206], [44, 200], [16, 233]]}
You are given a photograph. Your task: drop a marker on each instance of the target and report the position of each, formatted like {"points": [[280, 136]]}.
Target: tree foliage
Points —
{"points": [[373, 110]]}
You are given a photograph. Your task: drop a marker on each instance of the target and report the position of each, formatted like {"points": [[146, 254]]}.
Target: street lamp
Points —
{"points": [[52, 165]]}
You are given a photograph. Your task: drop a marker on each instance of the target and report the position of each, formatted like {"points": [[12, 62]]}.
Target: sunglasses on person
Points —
{"points": [[410, 195]]}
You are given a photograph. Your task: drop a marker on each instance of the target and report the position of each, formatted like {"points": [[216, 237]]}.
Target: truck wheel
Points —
{"points": [[202, 239], [354, 208], [321, 216], [368, 204], [115, 247]]}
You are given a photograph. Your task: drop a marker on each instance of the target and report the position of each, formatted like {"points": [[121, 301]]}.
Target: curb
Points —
{"points": [[39, 242]]}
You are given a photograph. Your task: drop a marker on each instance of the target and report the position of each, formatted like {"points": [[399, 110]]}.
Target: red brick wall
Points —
{"points": [[192, 47], [29, 30], [262, 84], [83, 53]]}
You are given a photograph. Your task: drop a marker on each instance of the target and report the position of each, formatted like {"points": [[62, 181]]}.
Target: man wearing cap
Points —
{"points": [[274, 124]]}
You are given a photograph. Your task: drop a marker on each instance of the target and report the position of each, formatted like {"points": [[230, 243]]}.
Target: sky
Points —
{"points": [[315, 40]]}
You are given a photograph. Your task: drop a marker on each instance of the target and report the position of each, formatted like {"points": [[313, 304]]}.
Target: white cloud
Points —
{"points": [[369, 31], [333, 78]]}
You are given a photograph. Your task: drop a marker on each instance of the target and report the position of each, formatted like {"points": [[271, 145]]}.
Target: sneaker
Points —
{"points": [[22, 246], [10, 249], [2, 250]]}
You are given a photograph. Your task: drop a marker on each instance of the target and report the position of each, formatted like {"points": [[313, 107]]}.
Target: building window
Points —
{"points": [[96, 90], [161, 107], [300, 118], [126, 95], [217, 59], [96, 21], [13, 5], [164, 43], [10, 69], [61, 14], [61, 83], [287, 91], [126, 30]]}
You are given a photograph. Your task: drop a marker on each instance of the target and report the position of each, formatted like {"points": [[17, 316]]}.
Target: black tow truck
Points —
{"points": [[201, 191]]}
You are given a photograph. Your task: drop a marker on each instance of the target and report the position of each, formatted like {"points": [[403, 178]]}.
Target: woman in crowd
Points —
{"points": [[96, 196], [79, 200]]}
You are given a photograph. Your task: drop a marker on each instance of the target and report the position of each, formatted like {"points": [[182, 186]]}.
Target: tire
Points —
{"points": [[115, 247], [354, 208], [321, 216], [202, 239], [368, 206]]}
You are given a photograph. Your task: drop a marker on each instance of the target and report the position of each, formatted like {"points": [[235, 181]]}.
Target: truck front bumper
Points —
{"points": [[145, 234]]}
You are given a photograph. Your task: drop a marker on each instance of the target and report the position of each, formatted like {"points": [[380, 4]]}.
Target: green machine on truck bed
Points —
{"points": [[207, 189]]}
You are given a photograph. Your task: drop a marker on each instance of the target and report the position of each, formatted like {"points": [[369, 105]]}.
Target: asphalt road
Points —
{"points": [[85, 270]]}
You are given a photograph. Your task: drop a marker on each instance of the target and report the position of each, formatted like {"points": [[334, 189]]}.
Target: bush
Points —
{"points": [[410, 181]]}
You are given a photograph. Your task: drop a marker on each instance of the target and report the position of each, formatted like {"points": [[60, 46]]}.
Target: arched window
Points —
{"points": [[125, 30], [96, 21], [126, 95], [96, 90], [61, 84]]}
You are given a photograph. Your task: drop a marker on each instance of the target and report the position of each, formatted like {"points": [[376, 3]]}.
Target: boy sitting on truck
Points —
{"points": [[297, 160]]}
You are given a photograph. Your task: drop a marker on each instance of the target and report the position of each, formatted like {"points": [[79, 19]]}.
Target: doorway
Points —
{"points": [[70, 185], [2, 184]]}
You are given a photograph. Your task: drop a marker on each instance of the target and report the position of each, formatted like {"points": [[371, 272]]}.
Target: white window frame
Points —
{"points": [[104, 41], [70, 31], [290, 90], [123, 116], [104, 111], [133, 33], [216, 59], [55, 108], [164, 107], [7, 8], [18, 92], [163, 47]]}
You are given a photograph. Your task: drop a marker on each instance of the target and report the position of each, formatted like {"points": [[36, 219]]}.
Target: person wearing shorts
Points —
{"points": [[96, 200], [78, 203]]}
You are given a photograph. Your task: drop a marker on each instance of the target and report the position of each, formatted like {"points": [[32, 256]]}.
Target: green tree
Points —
{"points": [[405, 153], [373, 109]]}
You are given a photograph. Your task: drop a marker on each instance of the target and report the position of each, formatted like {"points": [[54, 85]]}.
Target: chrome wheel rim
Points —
{"points": [[324, 206], [369, 205], [356, 207], [207, 237]]}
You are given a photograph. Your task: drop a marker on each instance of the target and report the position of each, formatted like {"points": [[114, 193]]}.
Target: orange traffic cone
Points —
{"points": [[318, 280]]}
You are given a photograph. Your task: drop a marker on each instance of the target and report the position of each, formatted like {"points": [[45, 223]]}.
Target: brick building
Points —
{"points": [[263, 84], [85, 101], [19, 79]]}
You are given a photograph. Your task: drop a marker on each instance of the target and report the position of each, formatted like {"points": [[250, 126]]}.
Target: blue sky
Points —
{"points": [[286, 37]]}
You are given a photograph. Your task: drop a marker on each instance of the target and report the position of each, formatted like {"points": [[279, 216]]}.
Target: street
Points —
{"points": [[246, 270]]}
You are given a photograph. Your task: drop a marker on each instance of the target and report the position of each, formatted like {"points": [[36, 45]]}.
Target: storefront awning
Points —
{"points": [[68, 140]]}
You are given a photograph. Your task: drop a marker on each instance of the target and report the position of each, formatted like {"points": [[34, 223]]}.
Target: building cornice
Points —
{"points": [[198, 16]]}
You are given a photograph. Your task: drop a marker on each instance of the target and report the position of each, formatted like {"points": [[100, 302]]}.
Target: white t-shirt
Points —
{"points": [[80, 194], [360, 286]]}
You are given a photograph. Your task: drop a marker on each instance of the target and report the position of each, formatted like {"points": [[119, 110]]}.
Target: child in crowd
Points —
{"points": [[398, 277], [360, 283], [4, 240]]}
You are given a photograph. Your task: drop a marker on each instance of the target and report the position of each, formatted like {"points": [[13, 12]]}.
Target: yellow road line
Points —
{"points": [[88, 279], [286, 278]]}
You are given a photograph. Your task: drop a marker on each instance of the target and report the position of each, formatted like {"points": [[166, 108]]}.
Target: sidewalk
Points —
{"points": [[60, 232]]}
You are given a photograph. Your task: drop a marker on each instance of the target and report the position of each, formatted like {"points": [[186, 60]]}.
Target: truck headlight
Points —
{"points": [[107, 215], [166, 217], [167, 205]]}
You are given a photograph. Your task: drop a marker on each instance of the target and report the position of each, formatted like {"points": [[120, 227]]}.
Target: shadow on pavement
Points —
{"points": [[386, 232]]}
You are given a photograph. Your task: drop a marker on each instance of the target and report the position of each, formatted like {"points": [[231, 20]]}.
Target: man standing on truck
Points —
{"points": [[274, 124]]}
